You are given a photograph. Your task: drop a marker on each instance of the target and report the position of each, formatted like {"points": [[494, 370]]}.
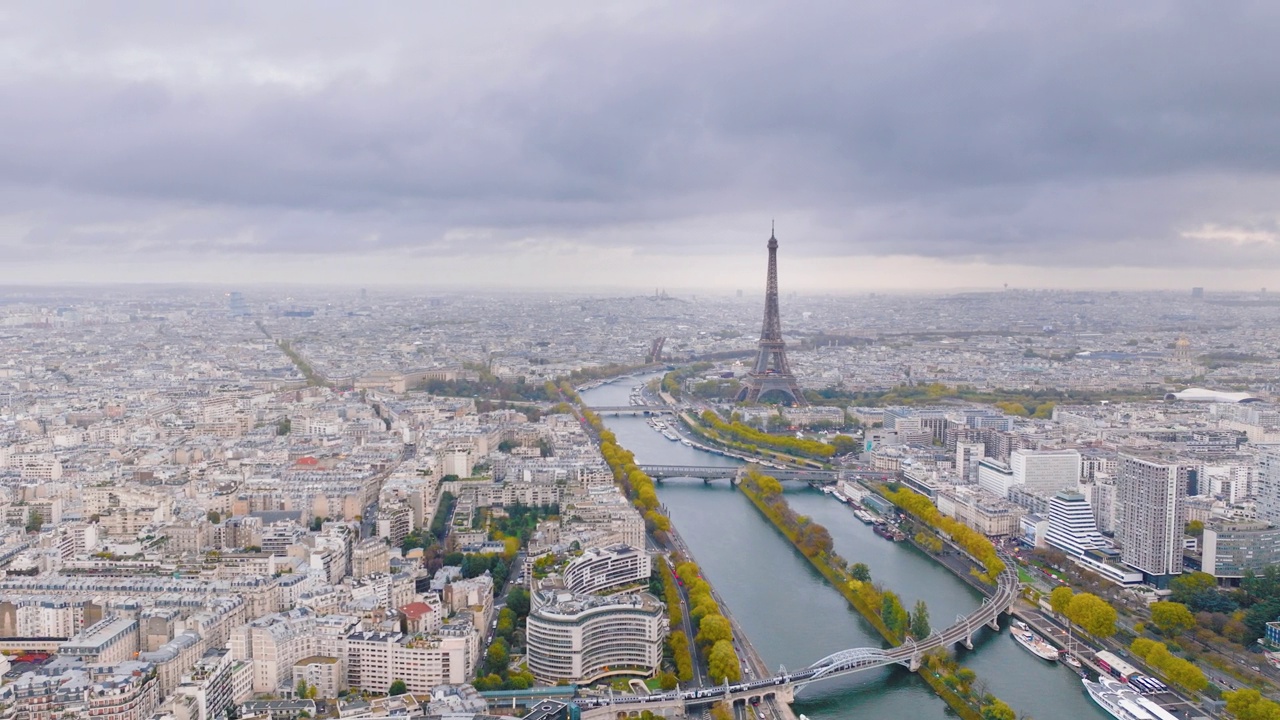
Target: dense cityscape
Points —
{"points": [[367, 503]]}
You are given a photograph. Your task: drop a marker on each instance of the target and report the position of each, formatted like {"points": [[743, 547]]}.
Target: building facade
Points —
{"points": [[582, 638], [1152, 515], [1231, 548], [600, 569]]}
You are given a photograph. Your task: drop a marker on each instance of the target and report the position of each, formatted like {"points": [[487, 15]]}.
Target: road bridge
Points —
{"points": [[619, 410], [782, 687], [706, 472]]}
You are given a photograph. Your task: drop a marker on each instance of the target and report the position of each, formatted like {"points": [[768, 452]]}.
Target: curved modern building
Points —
{"points": [[582, 638], [600, 569]]}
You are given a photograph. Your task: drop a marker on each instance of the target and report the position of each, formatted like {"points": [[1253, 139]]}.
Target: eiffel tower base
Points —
{"points": [[756, 386]]}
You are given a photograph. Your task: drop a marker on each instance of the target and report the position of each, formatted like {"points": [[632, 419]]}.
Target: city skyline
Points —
{"points": [[913, 146]]}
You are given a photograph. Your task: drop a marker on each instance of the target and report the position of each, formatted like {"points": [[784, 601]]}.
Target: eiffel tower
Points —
{"points": [[771, 371]]}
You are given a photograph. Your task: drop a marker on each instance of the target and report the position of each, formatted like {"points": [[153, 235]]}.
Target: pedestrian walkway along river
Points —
{"points": [[793, 618]]}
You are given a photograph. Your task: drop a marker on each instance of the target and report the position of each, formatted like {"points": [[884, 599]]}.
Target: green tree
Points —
{"points": [[300, 691], [213, 516], [723, 663], [845, 444], [1172, 618], [860, 572], [1186, 587], [1060, 599], [518, 601], [1195, 528], [34, 520], [397, 688], [497, 657], [893, 614], [920, 621], [506, 622], [996, 709]]}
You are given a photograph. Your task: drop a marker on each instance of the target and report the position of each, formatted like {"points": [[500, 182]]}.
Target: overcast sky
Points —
{"points": [[898, 144]]}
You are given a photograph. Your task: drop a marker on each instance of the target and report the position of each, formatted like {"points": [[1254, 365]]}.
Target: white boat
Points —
{"points": [[1036, 645], [1129, 695], [1071, 660], [864, 516], [1118, 707]]}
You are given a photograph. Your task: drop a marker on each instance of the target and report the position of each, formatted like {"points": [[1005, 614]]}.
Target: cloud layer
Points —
{"points": [[1072, 135]]}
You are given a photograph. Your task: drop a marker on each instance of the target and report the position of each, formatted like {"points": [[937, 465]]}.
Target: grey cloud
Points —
{"points": [[1047, 133]]}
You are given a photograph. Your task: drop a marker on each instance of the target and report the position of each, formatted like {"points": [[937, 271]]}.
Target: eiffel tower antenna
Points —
{"points": [[771, 371]]}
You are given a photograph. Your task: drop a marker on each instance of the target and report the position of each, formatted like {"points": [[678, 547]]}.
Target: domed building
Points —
{"points": [[1182, 349]]}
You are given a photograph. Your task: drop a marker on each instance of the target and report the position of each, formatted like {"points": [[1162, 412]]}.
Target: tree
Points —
{"points": [[213, 516], [1060, 599], [506, 622], [1172, 618], [997, 709], [1248, 704], [1093, 614], [860, 572], [667, 681], [497, 657], [723, 663], [1185, 588], [1175, 669], [1195, 528], [893, 614], [845, 444], [518, 601], [769, 486], [714, 629], [920, 621], [721, 711], [300, 691], [397, 688], [34, 521]]}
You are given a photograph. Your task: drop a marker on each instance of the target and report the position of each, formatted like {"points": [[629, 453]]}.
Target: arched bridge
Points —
{"points": [[659, 472], [783, 686]]}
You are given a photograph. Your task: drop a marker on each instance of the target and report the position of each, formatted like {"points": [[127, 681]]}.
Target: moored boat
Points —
{"points": [[1118, 707], [1036, 645]]}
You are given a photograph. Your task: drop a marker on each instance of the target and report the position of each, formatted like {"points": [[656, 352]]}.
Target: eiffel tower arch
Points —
{"points": [[771, 372]]}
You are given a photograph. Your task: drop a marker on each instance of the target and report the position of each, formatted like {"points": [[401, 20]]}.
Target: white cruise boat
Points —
{"points": [[1131, 697], [1118, 707], [1035, 644]]}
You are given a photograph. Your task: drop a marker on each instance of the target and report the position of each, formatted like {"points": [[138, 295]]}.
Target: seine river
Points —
{"points": [[794, 618]]}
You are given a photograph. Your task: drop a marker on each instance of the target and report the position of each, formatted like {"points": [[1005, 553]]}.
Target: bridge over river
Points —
{"points": [[606, 410], [784, 685], [708, 472], [661, 472]]}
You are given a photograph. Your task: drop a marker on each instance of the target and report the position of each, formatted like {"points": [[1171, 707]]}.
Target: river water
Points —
{"points": [[794, 618]]}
